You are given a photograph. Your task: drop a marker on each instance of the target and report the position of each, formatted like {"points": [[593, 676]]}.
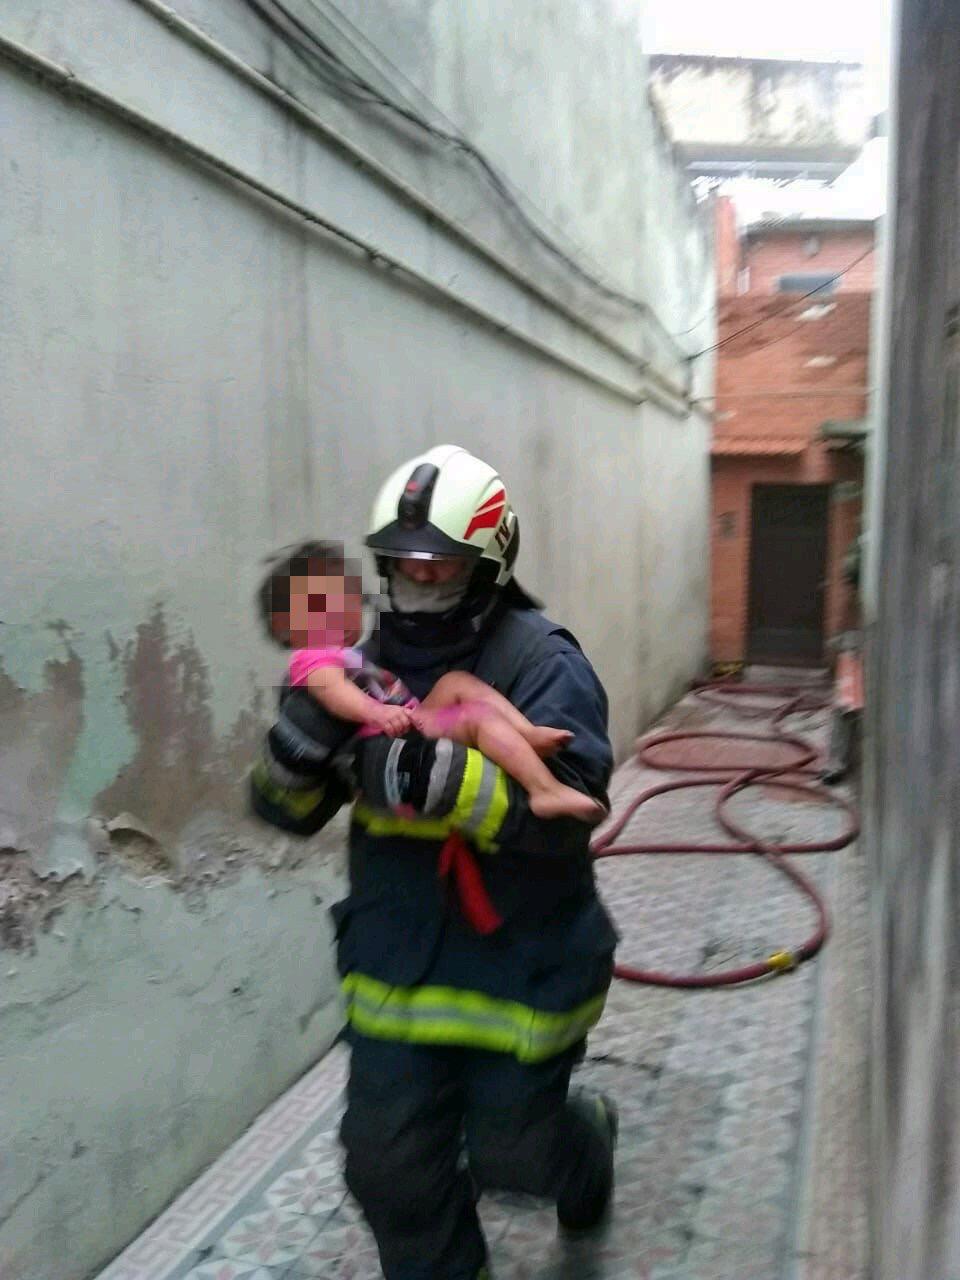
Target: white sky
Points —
{"points": [[819, 30]]}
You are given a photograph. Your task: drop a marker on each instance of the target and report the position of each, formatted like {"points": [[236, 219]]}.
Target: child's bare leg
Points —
{"points": [[458, 688], [477, 725]]}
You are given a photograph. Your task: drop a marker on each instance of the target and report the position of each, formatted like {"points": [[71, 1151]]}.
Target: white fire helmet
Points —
{"points": [[447, 503]]}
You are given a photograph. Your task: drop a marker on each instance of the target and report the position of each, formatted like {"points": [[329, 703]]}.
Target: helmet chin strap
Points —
{"points": [[438, 616]]}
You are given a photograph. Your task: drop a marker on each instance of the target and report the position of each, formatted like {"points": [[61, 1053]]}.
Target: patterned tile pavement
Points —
{"points": [[742, 1131]]}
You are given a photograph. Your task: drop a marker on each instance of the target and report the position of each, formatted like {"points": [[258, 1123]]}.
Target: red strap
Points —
{"points": [[478, 910]]}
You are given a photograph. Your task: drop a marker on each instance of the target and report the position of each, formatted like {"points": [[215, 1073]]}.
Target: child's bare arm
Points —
{"points": [[342, 698]]}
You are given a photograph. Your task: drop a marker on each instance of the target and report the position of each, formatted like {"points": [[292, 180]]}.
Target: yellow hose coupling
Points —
{"points": [[782, 961]]}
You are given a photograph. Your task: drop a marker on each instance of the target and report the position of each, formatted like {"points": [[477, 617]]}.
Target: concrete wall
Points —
{"points": [[760, 105], [878, 402], [192, 376], [913, 753]]}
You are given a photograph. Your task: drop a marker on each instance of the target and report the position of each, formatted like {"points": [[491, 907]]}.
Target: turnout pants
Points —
{"points": [[412, 1111]]}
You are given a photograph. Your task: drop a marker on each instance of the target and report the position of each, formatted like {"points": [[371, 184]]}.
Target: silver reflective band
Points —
{"points": [[390, 778], [468, 552], [439, 776]]}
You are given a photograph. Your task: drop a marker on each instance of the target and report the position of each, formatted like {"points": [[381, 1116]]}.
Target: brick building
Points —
{"points": [[787, 461]]}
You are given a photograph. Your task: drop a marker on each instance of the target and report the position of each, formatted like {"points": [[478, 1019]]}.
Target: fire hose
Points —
{"points": [[798, 774]]}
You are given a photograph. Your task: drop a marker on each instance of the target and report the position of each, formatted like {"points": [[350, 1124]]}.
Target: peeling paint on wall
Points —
{"points": [[30, 903], [176, 806], [179, 769], [39, 733]]}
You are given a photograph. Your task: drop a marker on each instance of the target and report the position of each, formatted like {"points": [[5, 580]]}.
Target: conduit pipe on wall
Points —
{"points": [[67, 82], [284, 98]]}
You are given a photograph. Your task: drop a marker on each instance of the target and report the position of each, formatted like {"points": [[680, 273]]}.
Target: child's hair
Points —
{"points": [[273, 594]]}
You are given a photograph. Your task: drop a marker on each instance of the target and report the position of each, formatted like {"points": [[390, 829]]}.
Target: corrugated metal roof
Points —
{"points": [[845, 429], [790, 225], [759, 446]]}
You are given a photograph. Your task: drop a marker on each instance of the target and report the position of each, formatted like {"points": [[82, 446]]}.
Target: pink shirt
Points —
{"points": [[378, 684], [306, 660]]}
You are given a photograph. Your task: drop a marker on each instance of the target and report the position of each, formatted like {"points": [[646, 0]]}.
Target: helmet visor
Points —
{"points": [[425, 543]]}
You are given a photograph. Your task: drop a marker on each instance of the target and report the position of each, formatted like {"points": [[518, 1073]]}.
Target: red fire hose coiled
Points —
{"points": [[798, 775]]}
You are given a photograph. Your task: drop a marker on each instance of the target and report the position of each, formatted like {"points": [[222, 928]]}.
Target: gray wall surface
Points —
{"points": [[761, 108], [913, 754], [193, 374]]}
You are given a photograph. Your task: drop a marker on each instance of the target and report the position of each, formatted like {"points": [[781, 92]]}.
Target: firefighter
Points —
{"points": [[464, 1024]]}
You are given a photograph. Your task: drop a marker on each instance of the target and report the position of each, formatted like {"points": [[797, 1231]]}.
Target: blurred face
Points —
{"points": [[325, 611], [428, 572]]}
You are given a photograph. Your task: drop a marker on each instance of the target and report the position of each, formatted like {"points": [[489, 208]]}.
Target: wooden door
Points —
{"points": [[788, 565]]}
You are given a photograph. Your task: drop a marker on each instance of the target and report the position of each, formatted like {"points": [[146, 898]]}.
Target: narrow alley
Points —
{"points": [[417, 415], [743, 1109]]}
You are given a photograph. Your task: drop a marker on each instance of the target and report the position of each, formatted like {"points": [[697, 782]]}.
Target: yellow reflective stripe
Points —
{"points": [[448, 1015], [484, 835], [450, 1028], [481, 801], [299, 803], [469, 786], [480, 828], [388, 824], [432, 1031]]}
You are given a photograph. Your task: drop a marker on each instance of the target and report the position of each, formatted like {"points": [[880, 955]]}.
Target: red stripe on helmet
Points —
{"points": [[487, 516], [492, 501]]}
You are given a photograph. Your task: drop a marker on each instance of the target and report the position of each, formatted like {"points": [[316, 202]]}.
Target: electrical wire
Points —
{"points": [[312, 50], [415, 199], [315, 53], [75, 87], [772, 342], [825, 285], [328, 12], [794, 302], [682, 333]]}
